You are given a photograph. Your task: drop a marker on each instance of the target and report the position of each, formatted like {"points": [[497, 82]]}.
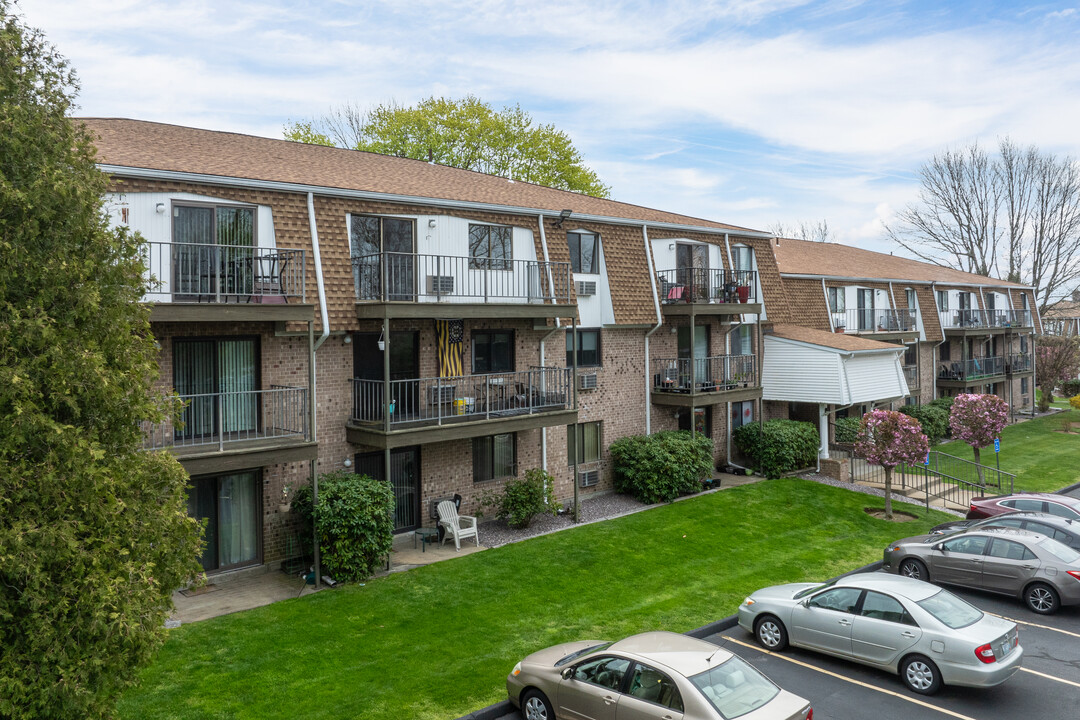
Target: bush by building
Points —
{"points": [[779, 446], [933, 418], [522, 500], [661, 467], [847, 428]]}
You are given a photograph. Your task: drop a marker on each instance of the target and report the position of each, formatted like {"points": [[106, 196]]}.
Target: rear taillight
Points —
{"points": [[810, 715], [1074, 573], [985, 653], [974, 507]]}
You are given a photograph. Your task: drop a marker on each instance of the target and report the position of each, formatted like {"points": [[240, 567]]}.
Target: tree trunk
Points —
{"points": [[888, 492], [979, 469]]}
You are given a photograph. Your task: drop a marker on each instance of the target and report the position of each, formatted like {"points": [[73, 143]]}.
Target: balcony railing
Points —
{"points": [[1018, 362], [188, 272], [229, 417], [443, 400], [875, 320], [705, 285], [711, 374], [972, 369], [412, 277], [985, 319], [911, 375]]}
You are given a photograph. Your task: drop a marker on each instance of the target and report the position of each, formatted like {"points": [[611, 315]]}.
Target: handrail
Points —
{"points": [[972, 368], [875, 320], [715, 373], [193, 272], [707, 285], [985, 318]]}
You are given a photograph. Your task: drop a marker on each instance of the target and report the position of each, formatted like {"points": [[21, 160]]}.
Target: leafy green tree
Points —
{"points": [[466, 133], [94, 533]]}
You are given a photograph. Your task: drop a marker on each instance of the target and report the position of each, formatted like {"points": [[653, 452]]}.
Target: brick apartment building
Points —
{"points": [[321, 309]]}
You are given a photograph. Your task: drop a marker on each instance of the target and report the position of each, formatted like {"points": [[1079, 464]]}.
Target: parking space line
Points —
{"points": [[1042, 627], [852, 680], [1050, 677]]}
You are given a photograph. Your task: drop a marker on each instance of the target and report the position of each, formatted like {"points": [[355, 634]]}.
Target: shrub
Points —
{"points": [[354, 520], [780, 446], [944, 402], [847, 428], [1075, 401], [1070, 388], [521, 500], [933, 419], [660, 467]]}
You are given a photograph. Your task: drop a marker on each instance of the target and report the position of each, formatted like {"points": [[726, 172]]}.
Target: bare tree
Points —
{"points": [[1016, 213], [813, 231]]}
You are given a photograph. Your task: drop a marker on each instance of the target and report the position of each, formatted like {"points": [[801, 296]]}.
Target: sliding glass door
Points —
{"points": [[218, 379], [213, 251], [231, 506]]}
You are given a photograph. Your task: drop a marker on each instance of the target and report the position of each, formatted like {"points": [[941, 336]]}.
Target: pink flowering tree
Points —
{"points": [[889, 438], [977, 420]]}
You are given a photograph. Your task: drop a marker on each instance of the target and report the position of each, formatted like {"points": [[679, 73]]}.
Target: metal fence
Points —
{"points": [[911, 375], [190, 272], [227, 417], [706, 285], [985, 318], [412, 277], [1018, 362], [721, 372], [972, 369], [871, 320], [441, 400]]}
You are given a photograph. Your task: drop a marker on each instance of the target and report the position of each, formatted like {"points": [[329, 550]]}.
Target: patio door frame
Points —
{"points": [[401, 280], [371, 464], [257, 480], [216, 425], [217, 259]]}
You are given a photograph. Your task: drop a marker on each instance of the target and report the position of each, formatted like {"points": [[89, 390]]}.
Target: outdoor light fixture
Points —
{"points": [[347, 463], [431, 223], [563, 217], [347, 339], [160, 207]]}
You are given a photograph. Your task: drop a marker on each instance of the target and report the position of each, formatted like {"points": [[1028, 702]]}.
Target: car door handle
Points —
{"points": [[845, 622], [608, 699], [1030, 567], [907, 634]]}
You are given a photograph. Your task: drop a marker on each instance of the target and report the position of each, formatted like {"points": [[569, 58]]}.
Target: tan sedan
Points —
{"points": [[651, 676]]}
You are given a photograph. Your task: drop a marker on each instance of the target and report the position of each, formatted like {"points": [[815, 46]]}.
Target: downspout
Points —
{"points": [[316, 259], [828, 310], [551, 284], [659, 324]]}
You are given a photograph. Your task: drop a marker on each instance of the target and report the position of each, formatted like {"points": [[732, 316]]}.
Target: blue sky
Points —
{"points": [[751, 112]]}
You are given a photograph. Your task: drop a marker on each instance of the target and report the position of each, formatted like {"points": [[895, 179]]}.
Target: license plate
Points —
{"points": [[1006, 648]]}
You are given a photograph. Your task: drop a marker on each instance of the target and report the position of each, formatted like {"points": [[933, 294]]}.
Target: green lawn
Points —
{"points": [[437, 642], [1041, 456]]}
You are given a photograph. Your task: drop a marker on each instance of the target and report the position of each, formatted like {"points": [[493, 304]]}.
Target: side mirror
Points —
{"points": [[940, 547], [567, 673], [805, 602]]}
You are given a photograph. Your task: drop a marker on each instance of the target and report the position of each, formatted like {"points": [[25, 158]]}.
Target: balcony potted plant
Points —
{"points": [[839, 327], [285, 505], [743, 292]]}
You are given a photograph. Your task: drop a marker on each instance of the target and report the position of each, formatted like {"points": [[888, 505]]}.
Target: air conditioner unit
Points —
{"points": [[588, 478], [440, 284], [587, 381], [585, 288]]}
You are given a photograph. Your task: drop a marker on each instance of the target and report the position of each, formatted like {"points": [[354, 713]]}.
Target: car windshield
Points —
{"points": [[951, 610], [734, 688], [578, 653], [809, 591], [1060, 550]]}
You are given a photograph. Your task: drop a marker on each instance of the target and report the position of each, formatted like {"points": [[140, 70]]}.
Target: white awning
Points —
{"points": [[799, 371]]}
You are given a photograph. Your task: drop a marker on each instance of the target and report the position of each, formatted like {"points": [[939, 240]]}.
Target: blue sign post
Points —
{"points": [[997, 459]]}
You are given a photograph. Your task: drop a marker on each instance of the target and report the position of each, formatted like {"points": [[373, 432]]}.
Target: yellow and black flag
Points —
{"points": [[449, 336]]}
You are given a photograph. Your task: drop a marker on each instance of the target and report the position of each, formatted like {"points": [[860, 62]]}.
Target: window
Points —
{"points": [[1023, 386], [584, 252], [369, 237], [211, 249], [588, 353], [1023, 301], [603, 671], [945, 352], [883, 607], [1025, 504], [493, 351], [951, 610], [1023, 344], [836, 300], [655, 687], [587, 443], [1009, 550], [206, 370], [963, 300], [840, 599], [973, 545], [494, 457], [742, 340], [735, 688], [743, 257], [231, 505], [490, 246], [910, 292], [1061, 511], [991, 301], [943, 300], [911, 354]]}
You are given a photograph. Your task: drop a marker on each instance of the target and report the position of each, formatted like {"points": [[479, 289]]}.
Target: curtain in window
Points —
{"points": [[236, 380], [194, 255], [237, 515], [194, 376], [235, 233], [503, 455]]}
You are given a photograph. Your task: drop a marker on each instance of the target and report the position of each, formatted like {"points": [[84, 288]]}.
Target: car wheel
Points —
{"points": [[914, 569], [535, 706], [770, 632], [1041, 598], [921, 675]]}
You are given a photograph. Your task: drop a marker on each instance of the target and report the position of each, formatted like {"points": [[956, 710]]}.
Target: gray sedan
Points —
{"points": [[1023, 564], [926, 634], [651, 676]]}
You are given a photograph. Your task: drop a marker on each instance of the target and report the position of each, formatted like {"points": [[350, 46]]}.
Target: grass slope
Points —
{"points": [[438, 641], [1043, 458]]}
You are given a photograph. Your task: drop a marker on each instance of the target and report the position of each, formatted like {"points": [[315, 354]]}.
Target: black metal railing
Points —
{"points": [[710, 374], [972, 369], [705, 285], [414, 277], [911, 375], [985, 319], [1018, 363], [190, 272], [228, 417], [871, 320], [442, 400]]}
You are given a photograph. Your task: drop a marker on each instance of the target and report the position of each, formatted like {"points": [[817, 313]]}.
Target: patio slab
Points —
{"points": [[224, 595]]}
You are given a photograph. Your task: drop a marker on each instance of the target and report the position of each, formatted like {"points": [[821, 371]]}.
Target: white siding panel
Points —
{"points": [[874, 377], [794, 372]]}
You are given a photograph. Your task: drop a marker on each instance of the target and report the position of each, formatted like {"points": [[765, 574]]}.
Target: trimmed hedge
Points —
{"points": [[661, 467], [933, 418], [847, 429], [1070, 388], [779, 447]]}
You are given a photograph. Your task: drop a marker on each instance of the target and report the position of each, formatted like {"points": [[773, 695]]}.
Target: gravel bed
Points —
{"points": [[877, 492], [593, 509]]}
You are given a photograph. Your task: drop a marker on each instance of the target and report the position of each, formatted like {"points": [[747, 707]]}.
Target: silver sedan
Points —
{"points": [[650, 676], [926, 634]]}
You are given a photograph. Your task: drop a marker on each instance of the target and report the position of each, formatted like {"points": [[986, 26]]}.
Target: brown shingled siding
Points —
{"points": [[1014, 296], [773, 289], [928, 313], [806, 303]]}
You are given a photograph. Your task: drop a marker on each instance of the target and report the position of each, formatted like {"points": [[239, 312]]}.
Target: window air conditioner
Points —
{"points": [[588, 478], [587, 381], [440, 284], [585, 288]]}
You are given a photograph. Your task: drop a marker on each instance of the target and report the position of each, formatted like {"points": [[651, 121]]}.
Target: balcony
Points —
{"points": [[411, 285], [1018, 363], [911, 376], [885, 324], [719, 379], [426, 410], [964, 322], [975, 371], [219, 432], [193, 282], [705, 291]]}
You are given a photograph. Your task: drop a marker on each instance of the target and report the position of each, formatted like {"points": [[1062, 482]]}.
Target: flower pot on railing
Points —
{"points": [[839, 329], [743, 292]]}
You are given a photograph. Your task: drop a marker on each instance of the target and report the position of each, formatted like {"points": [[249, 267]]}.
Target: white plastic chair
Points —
{"points": [[460, 526]]}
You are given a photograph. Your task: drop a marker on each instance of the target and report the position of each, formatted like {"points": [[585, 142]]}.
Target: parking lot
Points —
{"points": [[1047, 686]]}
